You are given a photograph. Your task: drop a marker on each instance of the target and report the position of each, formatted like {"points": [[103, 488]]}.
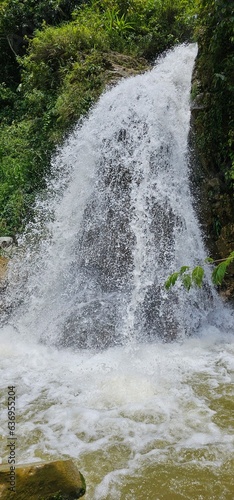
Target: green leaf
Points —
{"points": [[171, 280], [187, 281], [219, 273], [183, 269], [230, 258], [197, 276]]}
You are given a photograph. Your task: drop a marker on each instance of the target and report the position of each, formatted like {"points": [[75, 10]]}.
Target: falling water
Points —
{"points": [[87, 339], [124, 223]]}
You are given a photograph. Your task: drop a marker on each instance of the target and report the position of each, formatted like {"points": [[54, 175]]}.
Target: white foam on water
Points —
{"points": [[142, 398]]}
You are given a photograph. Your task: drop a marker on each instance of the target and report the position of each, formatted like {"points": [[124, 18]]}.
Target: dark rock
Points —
{"points": [[58, 480]]}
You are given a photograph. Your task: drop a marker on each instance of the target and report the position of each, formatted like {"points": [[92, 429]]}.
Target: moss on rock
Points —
{"points": [[59, 480]]}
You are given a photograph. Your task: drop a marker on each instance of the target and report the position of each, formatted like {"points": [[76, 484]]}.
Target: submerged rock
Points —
{"points": [[59, 480]]}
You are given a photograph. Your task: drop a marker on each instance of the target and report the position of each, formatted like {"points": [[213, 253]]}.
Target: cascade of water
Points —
{"points": [[123, 223]]}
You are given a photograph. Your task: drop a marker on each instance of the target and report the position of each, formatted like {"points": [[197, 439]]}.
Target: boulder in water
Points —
{"points": [[59, 480]]}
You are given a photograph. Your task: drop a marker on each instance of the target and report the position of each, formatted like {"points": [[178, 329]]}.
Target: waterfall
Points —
{"points": [[86, 334], [117, 220]]}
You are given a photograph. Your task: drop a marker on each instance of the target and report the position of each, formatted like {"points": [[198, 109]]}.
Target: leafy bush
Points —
{"points": [[55, 70], [195, 277], [80, 88], [18, 21], [54, 50]]}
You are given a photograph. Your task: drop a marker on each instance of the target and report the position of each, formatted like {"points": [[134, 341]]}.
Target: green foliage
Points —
{"points": [[53, 67], [187, 281], [209, 260], [22, 171], [220, 271], [145, 28], [18, 21], [114, 22], [195, 276], [171, 280], [80, 88], [23, 17]]}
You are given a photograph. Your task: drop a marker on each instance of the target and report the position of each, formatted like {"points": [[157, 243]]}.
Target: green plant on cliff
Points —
{"points": [[18, 21], [194, 277], [53, 67]]}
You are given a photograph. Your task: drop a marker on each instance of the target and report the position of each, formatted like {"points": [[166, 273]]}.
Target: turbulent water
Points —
{"points": [[88, 329]]}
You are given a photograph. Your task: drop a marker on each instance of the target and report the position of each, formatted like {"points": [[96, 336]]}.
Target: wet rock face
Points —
{"points": [[104, 261], [153, 321], [105, 256], [106, 243], [214, 207], [211, 162], [92, 325], [44, 481]]}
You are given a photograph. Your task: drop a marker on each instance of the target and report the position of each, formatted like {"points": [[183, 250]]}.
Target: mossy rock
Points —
{"points": [[118, 66], [3, 268], [59, 480]]}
